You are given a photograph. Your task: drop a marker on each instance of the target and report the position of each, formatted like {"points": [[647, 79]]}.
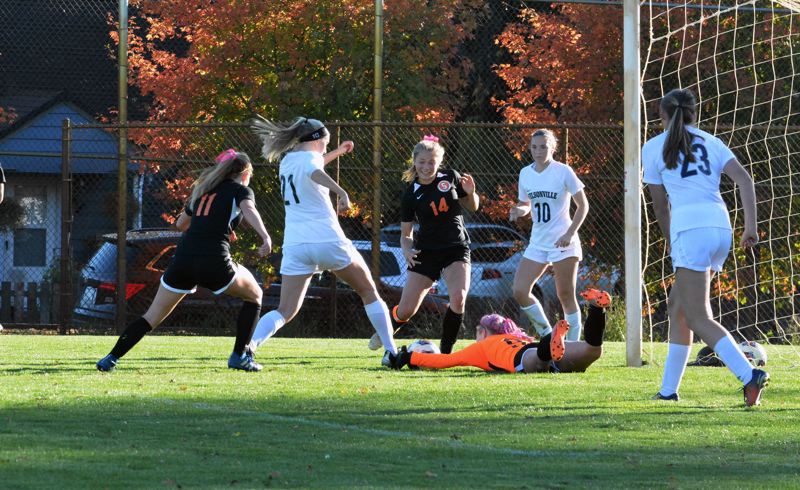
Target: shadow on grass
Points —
{"points": [[277, 440]]}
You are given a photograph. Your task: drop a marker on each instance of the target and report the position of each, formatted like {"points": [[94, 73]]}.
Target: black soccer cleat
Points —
{"points": [[397, 361], [670, 398]]}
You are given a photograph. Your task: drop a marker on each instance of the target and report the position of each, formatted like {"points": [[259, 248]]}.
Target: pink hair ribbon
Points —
{"points": [[226, 155], [430, 137]]}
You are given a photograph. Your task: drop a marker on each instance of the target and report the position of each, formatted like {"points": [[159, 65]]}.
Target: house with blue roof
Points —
{"points": [[30, 154]]}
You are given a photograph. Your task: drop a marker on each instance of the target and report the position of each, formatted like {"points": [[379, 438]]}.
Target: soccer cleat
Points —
{"points": [[375, 342], [752, 390], [597, 297], [670, 398], [107, 363], [244, 362], [557, 347], [397, 361]]}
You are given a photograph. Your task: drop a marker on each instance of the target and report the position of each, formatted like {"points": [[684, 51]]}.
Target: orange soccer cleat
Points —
{"points": [[597, 297], [557, 340]]}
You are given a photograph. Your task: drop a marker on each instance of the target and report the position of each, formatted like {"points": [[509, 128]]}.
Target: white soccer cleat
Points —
{"points": [[375, 342]]}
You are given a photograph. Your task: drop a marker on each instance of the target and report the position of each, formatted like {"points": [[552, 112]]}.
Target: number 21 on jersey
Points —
{"points": [[288, 180], [443, 207]]}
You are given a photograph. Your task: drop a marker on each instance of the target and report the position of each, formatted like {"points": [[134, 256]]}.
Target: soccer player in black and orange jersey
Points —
{"points": [[219, 201], [435, 198], [503, 347]]}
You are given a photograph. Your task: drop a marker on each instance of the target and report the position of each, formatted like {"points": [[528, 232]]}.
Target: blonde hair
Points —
{"points": [[425, 145], [235, 164], [278, 139], [550, 136]]}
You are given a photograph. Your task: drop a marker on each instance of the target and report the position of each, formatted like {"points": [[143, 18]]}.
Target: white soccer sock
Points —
{"points": [[266, 328], [378, 315], [538, 319], [732, 356], [574, 320], [674, 367]]}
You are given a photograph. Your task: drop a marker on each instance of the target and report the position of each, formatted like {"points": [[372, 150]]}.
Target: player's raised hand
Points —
{"points": [[467, 183], [346, 147]]}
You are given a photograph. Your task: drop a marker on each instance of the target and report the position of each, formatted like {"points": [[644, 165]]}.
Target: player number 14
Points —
{"points": [[443, 207]]}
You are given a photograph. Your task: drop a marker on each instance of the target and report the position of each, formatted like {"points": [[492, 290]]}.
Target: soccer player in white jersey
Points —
{"points": [[545, 190], [682, 167], [313, 240]]}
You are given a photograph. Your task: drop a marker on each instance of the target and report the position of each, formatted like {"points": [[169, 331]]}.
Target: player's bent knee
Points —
{"points": [[522, 296]]}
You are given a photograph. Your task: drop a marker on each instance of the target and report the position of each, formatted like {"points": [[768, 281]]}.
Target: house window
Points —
{"points": [[29, 247], [33, 200], [30, 241]]}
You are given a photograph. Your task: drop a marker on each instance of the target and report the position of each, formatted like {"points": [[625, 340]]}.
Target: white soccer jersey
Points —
{"points": [[549, 193], [310, 217], [693, 188]]}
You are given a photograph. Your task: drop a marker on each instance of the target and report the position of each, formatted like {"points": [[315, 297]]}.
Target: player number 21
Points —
{"points": [[443, 207]]}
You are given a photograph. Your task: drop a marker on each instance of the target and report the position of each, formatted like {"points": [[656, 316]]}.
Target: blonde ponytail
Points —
{"points": [[230, 164], [278, 139]]}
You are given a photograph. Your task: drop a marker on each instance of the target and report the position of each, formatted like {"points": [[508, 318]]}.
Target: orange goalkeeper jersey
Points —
{"points": [[494, 353]]}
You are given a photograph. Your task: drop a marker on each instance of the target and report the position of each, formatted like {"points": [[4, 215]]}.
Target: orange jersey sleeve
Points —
{"points": [[494, 353]]}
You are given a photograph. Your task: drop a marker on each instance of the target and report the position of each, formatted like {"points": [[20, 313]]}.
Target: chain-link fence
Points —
{"points": [[163, 160]]}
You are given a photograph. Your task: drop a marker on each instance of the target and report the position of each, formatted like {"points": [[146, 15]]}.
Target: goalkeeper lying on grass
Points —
{"points": [[502, 346]]}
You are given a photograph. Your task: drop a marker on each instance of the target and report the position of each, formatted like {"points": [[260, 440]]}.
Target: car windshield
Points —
{"points": [[492, 234], [105, 259], [388, 262], [491, 254]]}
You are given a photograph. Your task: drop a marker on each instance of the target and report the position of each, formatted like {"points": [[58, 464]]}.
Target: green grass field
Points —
{"points": [[324, 413]]}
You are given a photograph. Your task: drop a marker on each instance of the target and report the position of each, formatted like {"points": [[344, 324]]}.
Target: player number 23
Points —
{"points": [[705, 166]]}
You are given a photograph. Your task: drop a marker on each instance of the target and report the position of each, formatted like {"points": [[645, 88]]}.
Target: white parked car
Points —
{"points": [[496, 251]]}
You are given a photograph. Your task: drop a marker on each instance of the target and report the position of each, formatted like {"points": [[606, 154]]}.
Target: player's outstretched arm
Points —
{"points": [[344, 148]]}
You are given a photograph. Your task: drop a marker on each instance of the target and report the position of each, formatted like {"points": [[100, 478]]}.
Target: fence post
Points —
{"points": [[65, 293], [333, 326], [377, 116], [122, 168], [633, 185], [566, 146]]}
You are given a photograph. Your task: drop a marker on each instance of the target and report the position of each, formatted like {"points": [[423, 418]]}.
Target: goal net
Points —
{"points": [[740, 58]]}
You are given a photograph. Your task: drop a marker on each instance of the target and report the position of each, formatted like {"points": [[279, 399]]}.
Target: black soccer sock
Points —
{"points": [[450, 327], [131, 336], [543, 349], [595, 326], [246, 325]]}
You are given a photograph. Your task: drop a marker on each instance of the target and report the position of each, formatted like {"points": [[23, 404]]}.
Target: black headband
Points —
{"points": [[316, 134]]}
